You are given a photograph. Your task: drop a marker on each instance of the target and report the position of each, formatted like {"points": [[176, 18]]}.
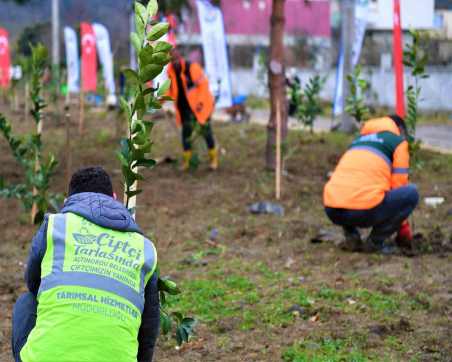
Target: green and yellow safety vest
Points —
{"points": [[91, 296]]}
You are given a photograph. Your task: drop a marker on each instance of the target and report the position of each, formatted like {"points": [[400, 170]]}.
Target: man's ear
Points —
{"points": [[115, 196]]}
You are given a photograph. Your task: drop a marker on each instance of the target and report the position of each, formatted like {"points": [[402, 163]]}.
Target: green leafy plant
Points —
{"points": [[308, 101], [355, 103], [415, 59], [135, 149], [28, 150]]}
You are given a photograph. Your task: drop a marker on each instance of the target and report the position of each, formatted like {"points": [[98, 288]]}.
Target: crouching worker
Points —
{"points": [[194, 104], [369, 188], [92, 283]]}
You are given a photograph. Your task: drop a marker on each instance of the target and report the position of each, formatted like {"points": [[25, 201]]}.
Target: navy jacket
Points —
{"points": [[104, 211]]}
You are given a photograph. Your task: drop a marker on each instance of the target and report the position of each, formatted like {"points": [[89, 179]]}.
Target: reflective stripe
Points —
{"points": [[374, 151], [59, 237], [149, 263], [400, 170], [60, 278], [93, 281]]}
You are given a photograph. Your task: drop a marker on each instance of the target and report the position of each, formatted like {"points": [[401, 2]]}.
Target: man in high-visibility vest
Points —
{"points": [[370, 189], [92, 284], [194, 104]]}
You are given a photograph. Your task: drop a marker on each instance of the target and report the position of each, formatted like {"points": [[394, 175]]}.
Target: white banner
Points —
{"points": [[72, 60], [106, 60], [215, 53], [361, 21]]}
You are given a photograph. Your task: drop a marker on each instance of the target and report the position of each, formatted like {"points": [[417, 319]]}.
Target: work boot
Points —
{"points": [[187, 155], [374, 245], [213, 156], [352, 240]]}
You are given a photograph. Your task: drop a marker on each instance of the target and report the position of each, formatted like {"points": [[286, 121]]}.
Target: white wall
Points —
{"points": [[435, 94], [418, 14]]}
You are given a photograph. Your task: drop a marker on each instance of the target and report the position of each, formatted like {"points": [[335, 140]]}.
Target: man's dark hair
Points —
{"points": [[400, 122], [91, 179]]}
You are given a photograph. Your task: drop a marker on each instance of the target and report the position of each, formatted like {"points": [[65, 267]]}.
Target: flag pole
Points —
{"points": [[398, 60]]}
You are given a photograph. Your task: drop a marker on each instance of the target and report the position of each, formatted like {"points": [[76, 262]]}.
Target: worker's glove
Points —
{"points": [[404, 236]]}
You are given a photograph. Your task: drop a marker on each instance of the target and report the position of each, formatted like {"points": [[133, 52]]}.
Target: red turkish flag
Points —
{"points": [[5, 59], [89, 58], [398, 61]]}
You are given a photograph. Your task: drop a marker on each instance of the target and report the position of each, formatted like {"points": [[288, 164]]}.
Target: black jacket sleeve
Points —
{"points": [[150, 321], [37, 251]]}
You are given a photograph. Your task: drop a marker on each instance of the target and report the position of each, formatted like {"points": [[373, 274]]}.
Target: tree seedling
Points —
{"points": [[153, 55], [28, 151]]}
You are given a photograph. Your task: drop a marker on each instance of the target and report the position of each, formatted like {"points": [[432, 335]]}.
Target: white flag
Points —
{"points": [[361, 20], [106, 60], [215, 54], [72, 60]]}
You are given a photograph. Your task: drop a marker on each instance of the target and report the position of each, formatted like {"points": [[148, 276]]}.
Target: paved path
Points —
{"points": [[434, 137]]}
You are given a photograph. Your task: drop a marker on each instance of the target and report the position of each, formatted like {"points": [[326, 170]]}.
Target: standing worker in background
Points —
{"points": [[194, 102], [92, 284], [369, 187]]}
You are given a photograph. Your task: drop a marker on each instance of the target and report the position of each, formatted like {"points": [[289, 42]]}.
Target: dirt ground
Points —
{"points": [[260, 289]]}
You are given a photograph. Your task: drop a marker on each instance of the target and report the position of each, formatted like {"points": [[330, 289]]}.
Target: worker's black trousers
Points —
{"points": [[189, 124], [384, 219]]}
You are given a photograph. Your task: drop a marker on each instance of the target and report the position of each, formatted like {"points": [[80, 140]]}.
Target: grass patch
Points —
{"points": [[324, 350]]}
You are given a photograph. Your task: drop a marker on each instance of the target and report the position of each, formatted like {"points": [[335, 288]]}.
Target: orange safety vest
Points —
{"points": [[376, 162], [199, 96]]}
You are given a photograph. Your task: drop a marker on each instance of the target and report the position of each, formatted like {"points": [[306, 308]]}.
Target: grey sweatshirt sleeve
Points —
{"points": [[37, 251], [150, 321]]}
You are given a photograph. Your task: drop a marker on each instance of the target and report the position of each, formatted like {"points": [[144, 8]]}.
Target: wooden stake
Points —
{"points": [[34, 208], [27, 107], [133, 200], [82, 112], [278, 150]]}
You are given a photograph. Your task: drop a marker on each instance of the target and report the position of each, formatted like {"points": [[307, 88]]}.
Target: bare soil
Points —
{"points": [[261, 290]]}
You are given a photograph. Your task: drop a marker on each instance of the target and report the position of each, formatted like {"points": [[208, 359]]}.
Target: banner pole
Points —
{"points": [[68, 139], [82, 112]]}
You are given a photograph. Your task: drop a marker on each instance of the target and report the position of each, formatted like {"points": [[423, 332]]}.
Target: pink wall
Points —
{"points": [[302, 17]]}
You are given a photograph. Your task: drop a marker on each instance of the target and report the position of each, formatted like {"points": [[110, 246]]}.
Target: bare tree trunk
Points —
{"points": [[277, 82], [347, 36]]}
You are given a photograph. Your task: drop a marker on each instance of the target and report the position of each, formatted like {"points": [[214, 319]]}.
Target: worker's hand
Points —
{"points": [[404, 236]]}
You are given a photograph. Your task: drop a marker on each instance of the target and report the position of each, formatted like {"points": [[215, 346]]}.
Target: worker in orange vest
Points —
{"points": [[194, 102], [370, 189]]}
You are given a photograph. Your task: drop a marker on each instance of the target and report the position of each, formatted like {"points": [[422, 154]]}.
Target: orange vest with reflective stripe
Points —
{"points": [[376, 162], [199, 96]]}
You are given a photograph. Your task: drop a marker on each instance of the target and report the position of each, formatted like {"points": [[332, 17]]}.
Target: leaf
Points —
{"points": [[155, 104], [181, 336], [152, 8], [168, 286], [165, 323], [166, 98], [145, 55], [125, 106], [164, 88], [139, 104], [133, 193], [157, 31], [136, 41], [145, 163], [149, 72], [122, 159], [141, 12], [162, 46], [160, 58]]}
